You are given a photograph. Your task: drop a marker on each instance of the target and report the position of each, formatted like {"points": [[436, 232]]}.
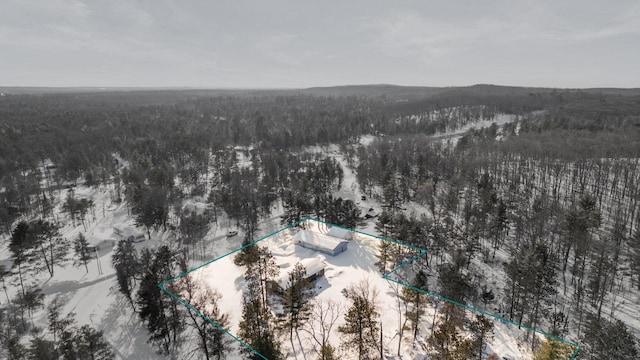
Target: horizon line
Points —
{"points": [[276, 88]]}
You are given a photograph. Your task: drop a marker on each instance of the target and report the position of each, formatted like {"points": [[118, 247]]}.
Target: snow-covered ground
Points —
{"points": [[341, 271], [94, 298]]}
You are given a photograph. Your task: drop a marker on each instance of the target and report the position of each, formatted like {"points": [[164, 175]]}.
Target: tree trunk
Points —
{"points": [[6, 294], [381, 349], [20, 277], [49, 266]]}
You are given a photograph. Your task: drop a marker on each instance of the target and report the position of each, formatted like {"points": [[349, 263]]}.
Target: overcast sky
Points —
{"points": [[303, 43]]}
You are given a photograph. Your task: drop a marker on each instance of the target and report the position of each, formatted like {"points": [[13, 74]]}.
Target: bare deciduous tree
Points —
{"points": [[324, 314]]}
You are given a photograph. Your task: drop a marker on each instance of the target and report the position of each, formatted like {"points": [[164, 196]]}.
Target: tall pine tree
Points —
{"points": [[361, 330], [81, 248], [257, 331], [295, 299], [127, 265], [161, 313]]}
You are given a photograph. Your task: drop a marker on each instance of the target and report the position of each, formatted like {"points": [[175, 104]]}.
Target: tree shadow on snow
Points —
{"points": [[126, 333], [72, 286]]}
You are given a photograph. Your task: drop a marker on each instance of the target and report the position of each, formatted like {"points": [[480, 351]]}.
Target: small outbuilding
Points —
{"points": [[320, 242], [340, 233]]}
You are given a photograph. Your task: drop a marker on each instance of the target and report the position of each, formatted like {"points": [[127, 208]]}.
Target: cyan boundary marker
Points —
{"points": [[421, 253]]}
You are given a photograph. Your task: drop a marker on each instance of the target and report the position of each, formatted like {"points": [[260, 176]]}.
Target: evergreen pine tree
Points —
{"points": [[610, 340], [15, 349], [384, 255], [163, 317], [256, 330], [20, 246], [47, 244], [41, 348], [127, 265], [361, 330], [634, 245], [70, 206], [446, 338], [32, 300], [60, 328], [81, 248], [327, 352], [384, 223], [482, 331], [248, 255], [261, 274], [91, 344], [256, 326], [553, 349], [295, 299]]}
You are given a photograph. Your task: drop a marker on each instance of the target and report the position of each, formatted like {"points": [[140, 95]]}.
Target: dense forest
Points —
{"points": [[536, 219]]}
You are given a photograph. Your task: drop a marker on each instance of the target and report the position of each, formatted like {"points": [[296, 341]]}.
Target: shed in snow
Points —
{"points": [[320, 242], [313, 266], [340, 233]]}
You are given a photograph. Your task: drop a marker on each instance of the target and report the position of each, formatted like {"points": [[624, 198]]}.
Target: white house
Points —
{"points": [[313, 266], [320, 242]]}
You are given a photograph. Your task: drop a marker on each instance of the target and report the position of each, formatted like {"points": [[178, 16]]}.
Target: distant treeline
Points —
{"points": [[549, 201]]}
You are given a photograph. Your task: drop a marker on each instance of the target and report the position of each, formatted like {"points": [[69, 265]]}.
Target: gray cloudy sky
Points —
{"points": [[301, 43]]}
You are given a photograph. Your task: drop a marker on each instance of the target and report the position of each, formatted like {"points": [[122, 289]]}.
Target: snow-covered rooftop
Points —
{"points": [[318, 240], [312, 266], [338, 232]]}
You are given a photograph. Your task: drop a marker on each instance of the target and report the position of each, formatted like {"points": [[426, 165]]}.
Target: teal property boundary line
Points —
{"points": [[421, 252]]}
